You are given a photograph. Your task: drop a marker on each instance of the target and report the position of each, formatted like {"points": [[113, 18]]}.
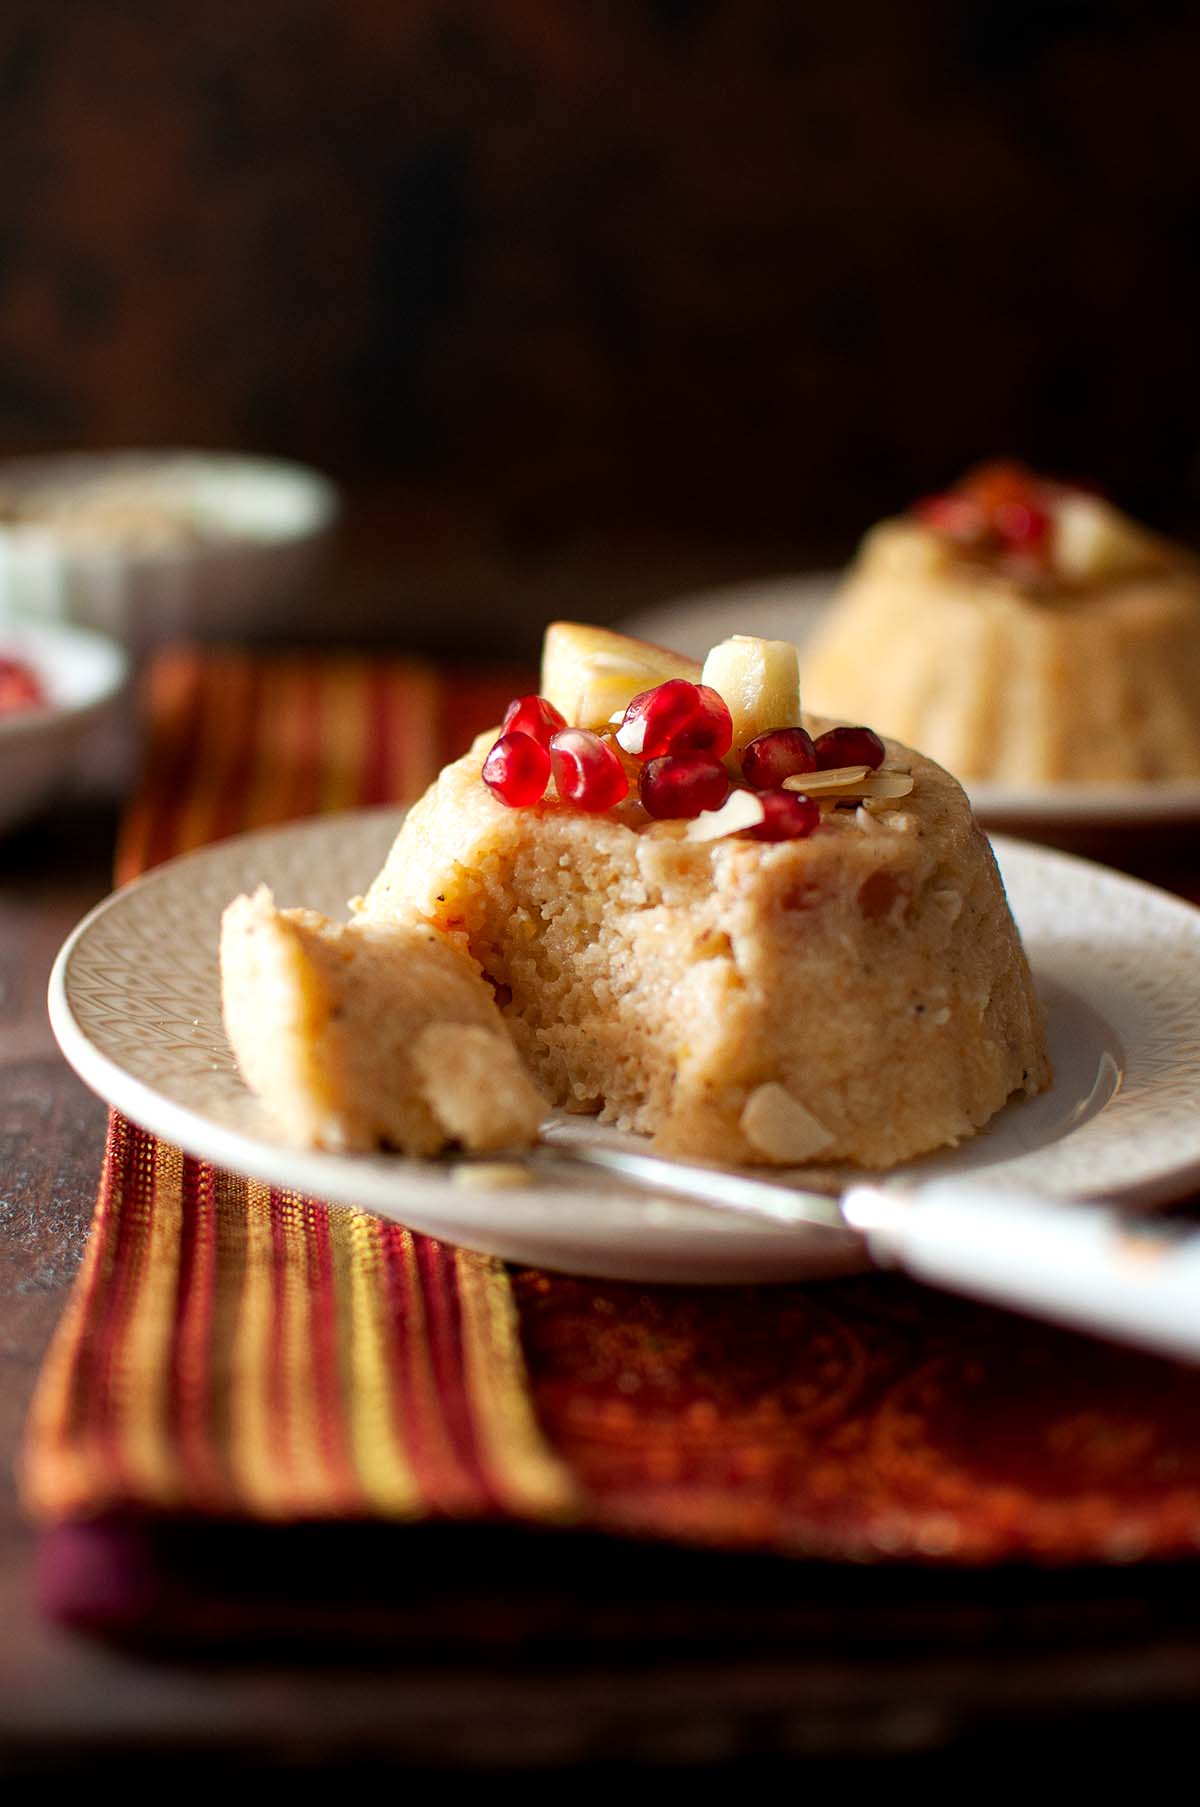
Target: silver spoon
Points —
{"points": [[1077, 1262]]}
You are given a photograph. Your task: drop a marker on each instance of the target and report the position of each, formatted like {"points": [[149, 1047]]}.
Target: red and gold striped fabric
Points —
{"points": [[235, 1350]]}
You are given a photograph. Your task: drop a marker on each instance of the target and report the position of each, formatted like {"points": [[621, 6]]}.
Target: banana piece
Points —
{"points": [[760, 682], [1093, 541], [591, 674]]}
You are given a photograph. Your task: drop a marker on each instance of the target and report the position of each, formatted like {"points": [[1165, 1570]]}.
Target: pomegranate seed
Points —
{"points": [[1023, 526], [534, 716], [710, 730], [19, 686], [958, 517], [1003, 509], [848, 746], [777, 755], [655, 717], [517, 769], [995, 485], [790, 816], [587, 771], [683, 784]]}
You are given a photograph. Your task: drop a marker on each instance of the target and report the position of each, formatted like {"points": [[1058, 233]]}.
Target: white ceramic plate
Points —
{"points": [[82, 674], [134, 1002], [788, 608]]}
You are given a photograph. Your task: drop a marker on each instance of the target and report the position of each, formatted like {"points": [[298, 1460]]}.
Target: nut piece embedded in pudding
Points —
{"points": [[364, 1035]]}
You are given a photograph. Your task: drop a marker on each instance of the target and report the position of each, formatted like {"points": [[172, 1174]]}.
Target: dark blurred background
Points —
{"points": [[726, 274]]}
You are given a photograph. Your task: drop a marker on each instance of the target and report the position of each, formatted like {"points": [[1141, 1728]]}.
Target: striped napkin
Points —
{"points": [[236, 1351]]}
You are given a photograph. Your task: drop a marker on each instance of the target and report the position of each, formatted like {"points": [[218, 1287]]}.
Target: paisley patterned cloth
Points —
{"points": [[239, 1352]]}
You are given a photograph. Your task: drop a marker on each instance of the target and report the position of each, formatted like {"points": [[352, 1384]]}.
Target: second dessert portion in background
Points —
{"points": [[1019, 630]]}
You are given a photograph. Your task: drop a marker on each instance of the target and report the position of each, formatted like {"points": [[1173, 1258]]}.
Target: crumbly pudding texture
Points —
{"points": [[360, 1035], [1022, 631]]}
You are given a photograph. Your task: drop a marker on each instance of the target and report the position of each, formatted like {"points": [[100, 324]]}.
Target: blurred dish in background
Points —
{"points": [[155, 546], [1034, 640], [1023, 631], [77, 678], [775, 608], [21, 689]]}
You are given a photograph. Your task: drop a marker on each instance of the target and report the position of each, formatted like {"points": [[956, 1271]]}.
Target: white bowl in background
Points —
{"points": [[237, 540], [82, 674]]}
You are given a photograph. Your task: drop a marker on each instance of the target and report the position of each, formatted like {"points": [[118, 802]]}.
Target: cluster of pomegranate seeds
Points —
{"points": [[683, 731], [780, 754], [848, 746], [535, 742], [680, 733], [587, 772], [1002, 510], [20, 688], [683, 785], [676, 717]]}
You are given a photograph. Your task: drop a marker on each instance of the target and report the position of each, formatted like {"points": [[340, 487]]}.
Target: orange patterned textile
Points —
{"points": [[239, 1351]]}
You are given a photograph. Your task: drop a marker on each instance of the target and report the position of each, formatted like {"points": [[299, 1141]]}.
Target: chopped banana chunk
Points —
{"points": [[760, 682]]}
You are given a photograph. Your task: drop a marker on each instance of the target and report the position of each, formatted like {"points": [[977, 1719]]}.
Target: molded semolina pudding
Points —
{"points": [[1020, 631], [855, 991]]}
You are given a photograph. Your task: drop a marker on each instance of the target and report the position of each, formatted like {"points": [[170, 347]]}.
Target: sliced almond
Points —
{"points": [[870, 784], [948, 901], [741, 809], [839, 778], [632, 739], [887, 784], [782, 1128]]}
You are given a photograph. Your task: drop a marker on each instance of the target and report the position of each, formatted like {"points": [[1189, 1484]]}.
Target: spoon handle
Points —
{"points": [[1133, 1278]]}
